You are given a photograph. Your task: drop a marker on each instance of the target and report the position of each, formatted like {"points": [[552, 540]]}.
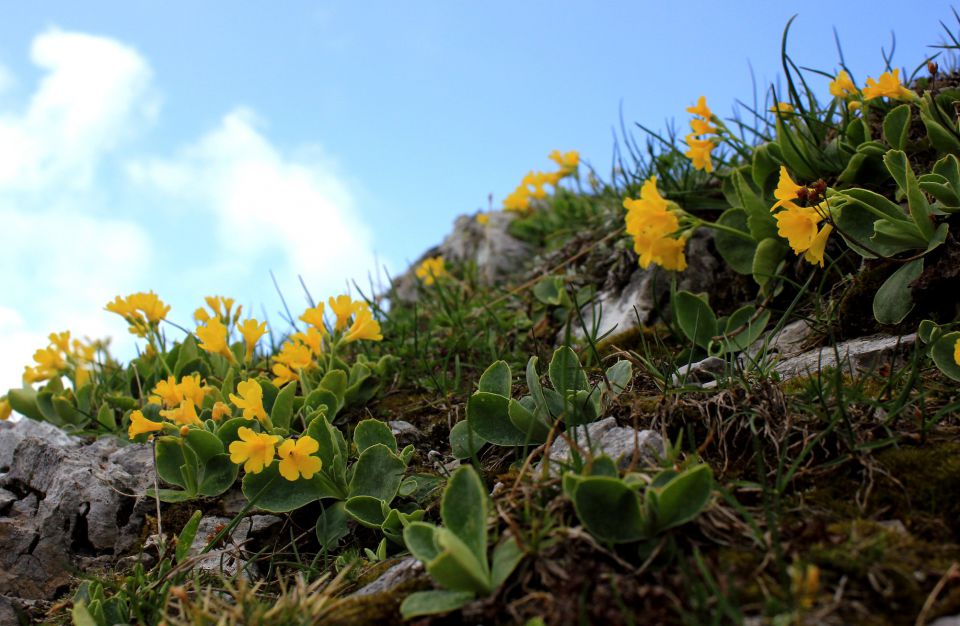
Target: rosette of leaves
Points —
{"points": [[84, 410], [717, 335], [875, 226], [625, 510], [493, 416], [455, 554]]}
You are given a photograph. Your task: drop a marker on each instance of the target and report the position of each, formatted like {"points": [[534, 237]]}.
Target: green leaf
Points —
{"points": [[506, 557], [332, 525], [764, 168], [106, 418], [683, 497], [496, 379], [217, 474], [186, 536], [609, 509], [896, 126], [170, 459], [942, 139], [335, 381], [619, 376], [743, 328], [420, 539], [527, 422], [377, 473], [434, 602], [169, 495], [227, 430], [695, 318], [282, 410], [279, 495], [205, 444], [770, 253], [899, 167], [943, 351], [464, 441], [488, 415], [893, 301], [322, 398], [370, 432], [736, 251], [82, 617], [760, 222], [463, 509], [565, 371], [366, 510], [533, 383], [549, 290], [458, 567], [24, 402]]}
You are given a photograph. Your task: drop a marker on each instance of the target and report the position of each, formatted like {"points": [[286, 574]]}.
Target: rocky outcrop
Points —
{"points": [[496, 253], [626, 446], [64, 504]]}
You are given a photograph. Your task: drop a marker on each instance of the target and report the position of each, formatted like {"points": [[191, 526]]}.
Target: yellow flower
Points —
{"points": [[166, 393], [296, 459], [213, 338], [430, 270], [140, 425], [798, 225], [956, 352], [701, 109], [140, 310], [364, 327], [222, 307], [702, 127], [191, 388], [312, 338], [842, 86], [343, 306], [814, 254], [854, 105], [888, 85], [250, 399], [783, 108], [150, 305], [651, 223], [251, 330], [5, 409], [786, 191], [805, 584], [536, 180], [314, 317], [282, 374], [254, 450], [483, 219], [518, 201], [200, 315], [220, 411], [699, 152], [185, 414], [295, 355], [567, 161]]}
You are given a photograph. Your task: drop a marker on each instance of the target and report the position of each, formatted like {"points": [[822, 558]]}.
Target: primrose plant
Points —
{"points": [[455, 554], [494, 417]]}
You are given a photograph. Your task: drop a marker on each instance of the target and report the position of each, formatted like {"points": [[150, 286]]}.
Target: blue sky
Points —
{"points": [[190, 147]]}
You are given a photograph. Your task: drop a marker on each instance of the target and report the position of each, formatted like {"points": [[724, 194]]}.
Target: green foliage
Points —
{"points": [[613, 509], [718, 336], [493, 416], [455, 554]]}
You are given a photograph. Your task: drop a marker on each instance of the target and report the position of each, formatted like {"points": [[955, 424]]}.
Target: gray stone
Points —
{"points": [[703, 371], [405, 432], [404, 571], [73, 504], [496, 253], [605, 437], [645, 298], [952, 620], [854, 356], [788, 341], [12, 433], [230, 557]]}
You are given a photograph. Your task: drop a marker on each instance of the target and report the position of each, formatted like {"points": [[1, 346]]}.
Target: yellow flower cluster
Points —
{"points": [[5, 409], [181, 400], [142, 311], [799, 224], [250, 400], [220, 307], [887, 85], [532, 185], [431, 270], [699, 146], [214, 338], [651, 221], [60, 356], [302, 348], [255, 451]]}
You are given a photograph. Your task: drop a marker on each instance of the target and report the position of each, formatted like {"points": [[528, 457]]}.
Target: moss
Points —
{"points": [[930, 479]]}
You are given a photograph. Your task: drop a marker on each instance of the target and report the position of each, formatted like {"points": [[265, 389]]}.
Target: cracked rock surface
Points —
{"points": [[63, 503]]}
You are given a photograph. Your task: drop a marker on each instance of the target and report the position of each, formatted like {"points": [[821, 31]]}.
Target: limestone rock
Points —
{"points": [[496, 253], [605, 437], [854, 356], [72, 503], [404, 571]]}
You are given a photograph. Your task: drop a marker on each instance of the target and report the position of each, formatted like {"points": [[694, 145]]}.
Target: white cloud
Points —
{"points": [[211, 218], [267, 203], [63, 255]]}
